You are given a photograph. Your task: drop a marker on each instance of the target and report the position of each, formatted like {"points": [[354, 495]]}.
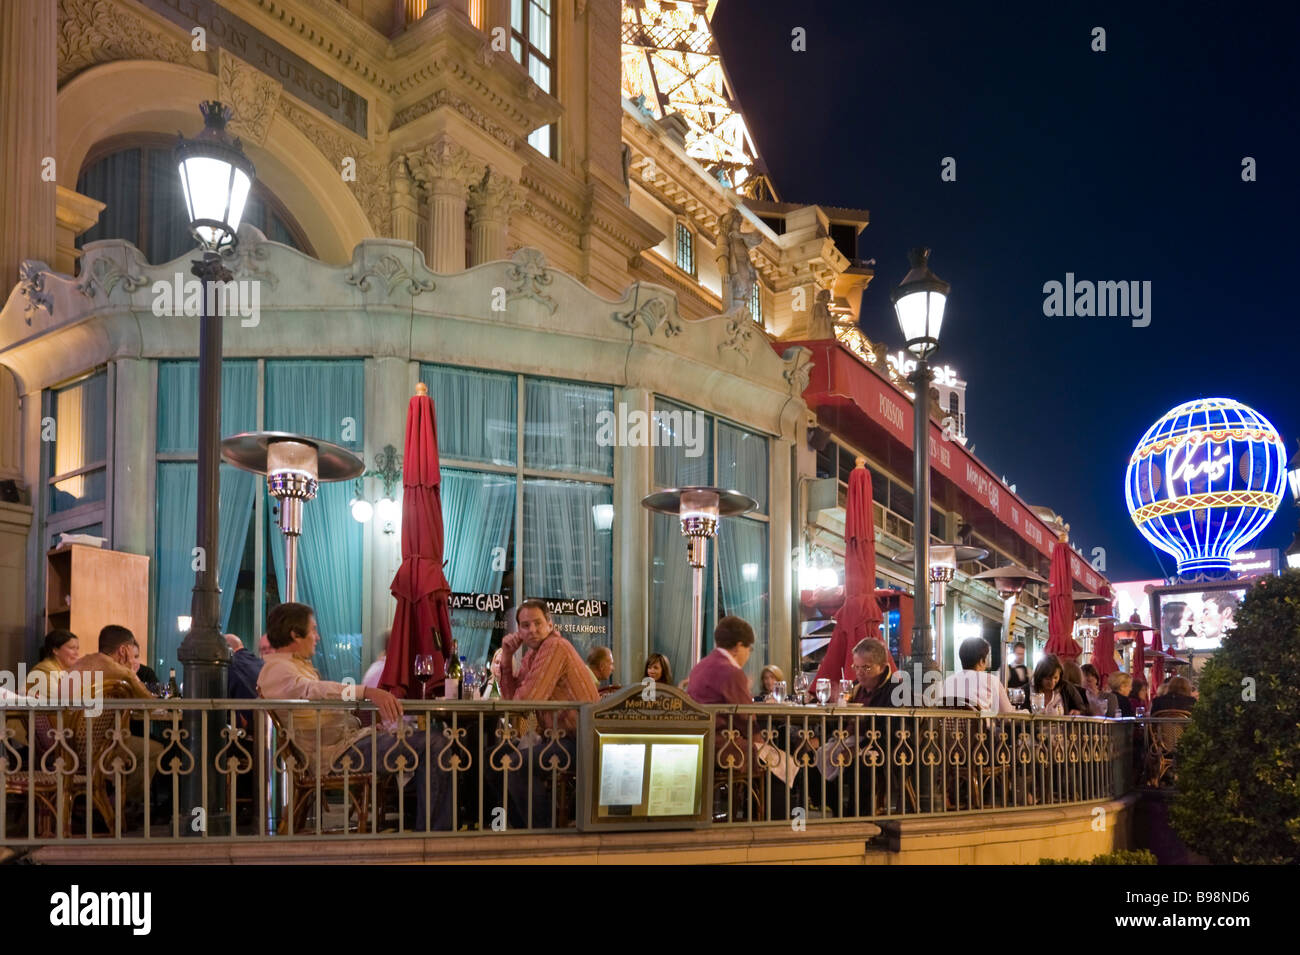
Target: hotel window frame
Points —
{"points": [[684, 248], [271, 204], [756, 302], [525, 52], [523, 473], [713, 596], [93, 512]]}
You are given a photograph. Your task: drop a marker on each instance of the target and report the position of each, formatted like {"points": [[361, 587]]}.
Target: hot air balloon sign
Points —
{"points": [[1204, 481]]}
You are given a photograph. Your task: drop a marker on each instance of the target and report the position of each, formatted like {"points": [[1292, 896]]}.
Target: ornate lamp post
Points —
{"points": [[699, 509], [919, 303], [216, 177]]}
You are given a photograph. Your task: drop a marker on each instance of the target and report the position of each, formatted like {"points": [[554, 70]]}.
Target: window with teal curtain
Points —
{"points": [[743, 463], [477, 413], [677, 463], [77, 457], [324, 399], [478, 511], [567, 555], [743, 581], [176, 497], [561, 421]]}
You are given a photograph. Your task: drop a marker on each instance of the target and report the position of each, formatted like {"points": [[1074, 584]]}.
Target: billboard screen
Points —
{"points": [[1194, 620]]}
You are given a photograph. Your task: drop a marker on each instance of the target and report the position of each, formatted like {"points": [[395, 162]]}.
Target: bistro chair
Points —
{"points": [[63, 759], [1163, 745], [290, 758]]}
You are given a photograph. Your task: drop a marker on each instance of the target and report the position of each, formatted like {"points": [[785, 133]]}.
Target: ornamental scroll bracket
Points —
{"points": [[529, 278], [394, 273]]}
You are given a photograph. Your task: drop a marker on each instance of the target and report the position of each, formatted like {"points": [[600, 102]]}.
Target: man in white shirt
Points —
{"points": [[973, 683], [289, 675]]}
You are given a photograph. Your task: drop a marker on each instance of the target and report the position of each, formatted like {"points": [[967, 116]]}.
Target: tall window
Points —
{"points": [[696, 449], [532, 43], [144, 204], [74, 442], [528, 503], [756, 303], [685, 249]]}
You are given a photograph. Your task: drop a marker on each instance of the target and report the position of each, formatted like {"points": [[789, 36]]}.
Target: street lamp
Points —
{"points": [[216, 178], [919, 303]]}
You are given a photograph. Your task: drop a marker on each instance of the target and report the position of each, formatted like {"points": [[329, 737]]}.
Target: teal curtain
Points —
{"points": [[324, 399], [743, 462], [478, 511], [561, 421], [477, 413], [176, 497], [743, 581], [674, 464]]}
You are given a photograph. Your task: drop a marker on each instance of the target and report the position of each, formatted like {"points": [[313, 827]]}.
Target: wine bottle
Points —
{"points": [[451, 688], [467, 689], [173, 691]]}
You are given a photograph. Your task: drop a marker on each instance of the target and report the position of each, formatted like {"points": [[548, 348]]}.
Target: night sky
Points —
{"points": [[1122, 165]]}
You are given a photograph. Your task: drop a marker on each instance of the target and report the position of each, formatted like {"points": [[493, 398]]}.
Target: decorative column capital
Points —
{"points": [[443, 165], [494, 197]]}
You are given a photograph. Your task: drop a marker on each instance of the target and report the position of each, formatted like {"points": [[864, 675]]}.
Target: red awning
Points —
{"points": [[841, 382]]}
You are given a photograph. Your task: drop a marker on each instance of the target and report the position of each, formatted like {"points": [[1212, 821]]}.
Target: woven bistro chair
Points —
{"points": [[64, 759], [289, 757], [1163, 746]]}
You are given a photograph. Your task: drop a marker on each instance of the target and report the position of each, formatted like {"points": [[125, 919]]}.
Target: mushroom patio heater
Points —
{"points": [[294, 466], [699, 509], [944, 559], [1009, 580]]}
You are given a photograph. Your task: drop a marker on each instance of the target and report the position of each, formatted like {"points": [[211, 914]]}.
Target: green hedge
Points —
{"points": [[1118, 857]]}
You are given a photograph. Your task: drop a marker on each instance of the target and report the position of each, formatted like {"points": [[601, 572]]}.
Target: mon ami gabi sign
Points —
{"points": [[837, 375]]}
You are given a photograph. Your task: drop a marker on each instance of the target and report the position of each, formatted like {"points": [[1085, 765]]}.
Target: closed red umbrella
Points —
{"points": [[1103, 648], [1060, 613], [860, 615], [420, 585], [1139, 653], [1157, 663]]}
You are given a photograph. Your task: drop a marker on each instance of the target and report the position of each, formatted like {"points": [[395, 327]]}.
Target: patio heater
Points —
{"points": [[699, 509], [294, 466], [944, 559], [1009, 580]]}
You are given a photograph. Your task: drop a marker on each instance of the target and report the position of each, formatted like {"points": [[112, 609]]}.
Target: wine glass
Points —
{"points": [[778, 691], [1038, 702], [846, 687], [823, 691], [801, 687], [424, 671], [1016, 696]]}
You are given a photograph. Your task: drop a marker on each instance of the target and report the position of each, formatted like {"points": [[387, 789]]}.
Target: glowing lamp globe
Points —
{"points": [[1204, 481]]}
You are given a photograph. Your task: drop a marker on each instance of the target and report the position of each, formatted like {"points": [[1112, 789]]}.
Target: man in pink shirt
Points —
{"points": [[551, 670]]}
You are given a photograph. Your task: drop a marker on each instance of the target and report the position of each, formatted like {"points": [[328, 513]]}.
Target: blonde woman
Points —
{"points": [[769, 678]]}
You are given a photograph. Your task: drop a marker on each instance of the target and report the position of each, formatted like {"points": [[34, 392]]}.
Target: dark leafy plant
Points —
{"points": [[1238, 798], [1118, 857]]}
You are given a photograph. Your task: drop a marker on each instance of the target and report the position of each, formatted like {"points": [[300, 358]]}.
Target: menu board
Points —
{"points": [[673, 773], [622, 768], [649, 774]]}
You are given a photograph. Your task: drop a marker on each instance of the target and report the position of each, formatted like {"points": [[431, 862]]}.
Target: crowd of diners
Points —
{"points": [[538, 663]]}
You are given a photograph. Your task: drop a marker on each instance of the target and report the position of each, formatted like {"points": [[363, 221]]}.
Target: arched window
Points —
{"points": [[136, 179]]}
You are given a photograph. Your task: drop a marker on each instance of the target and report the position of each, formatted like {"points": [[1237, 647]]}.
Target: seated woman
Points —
{"points": [[769, 678], [1059, 698], [1177, 696], [657, 668], [59, 651], [1120, 686], [1100, 703], [1140, 696]]}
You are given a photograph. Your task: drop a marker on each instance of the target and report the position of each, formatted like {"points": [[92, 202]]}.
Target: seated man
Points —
{"points": [[874, 688], [115, 663], [241, 680], [551, 670], [289, 675], [600, 661], [973, 683]]}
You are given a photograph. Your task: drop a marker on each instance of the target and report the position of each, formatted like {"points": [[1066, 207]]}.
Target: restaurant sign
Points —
{"points": [[226, 31]]}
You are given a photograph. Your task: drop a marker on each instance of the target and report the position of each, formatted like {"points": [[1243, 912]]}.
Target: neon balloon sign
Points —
{"points": [[1204, 481]]}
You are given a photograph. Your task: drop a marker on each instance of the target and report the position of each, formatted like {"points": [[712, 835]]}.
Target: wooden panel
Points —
{"points": [[104, 587]]}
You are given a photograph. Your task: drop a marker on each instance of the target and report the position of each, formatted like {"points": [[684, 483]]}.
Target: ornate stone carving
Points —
{"points": [[653, 312], [738, 274], [446, 98], [101, 31], [443, 160], [371, 184], [251, 251], [31, 285], [529, 278], [103, 274], [494, 196], [550, 222], [394, 273], [740, 332], [822, 323], [798, 369], [250, 93]]}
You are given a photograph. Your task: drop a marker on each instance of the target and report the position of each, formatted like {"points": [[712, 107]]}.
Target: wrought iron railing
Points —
{"points": [[252, 770]]}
